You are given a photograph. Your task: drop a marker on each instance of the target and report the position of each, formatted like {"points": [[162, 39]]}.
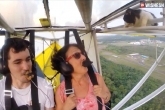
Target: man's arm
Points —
{"points": [[1, 107], [50, 104], [50, 108]]}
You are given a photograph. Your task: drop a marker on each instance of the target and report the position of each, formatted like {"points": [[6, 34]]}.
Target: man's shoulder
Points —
{"points": [[2, 84], [40, 78], [43, 83]]}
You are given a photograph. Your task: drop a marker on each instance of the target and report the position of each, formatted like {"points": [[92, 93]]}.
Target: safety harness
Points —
{"points": [[68, 84], [10, 103]]}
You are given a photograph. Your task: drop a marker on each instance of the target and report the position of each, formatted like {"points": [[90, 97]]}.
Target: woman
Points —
{"points": [[84, 96]]}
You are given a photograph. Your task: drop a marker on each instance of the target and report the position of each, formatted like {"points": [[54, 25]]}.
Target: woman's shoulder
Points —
{"points": [[61, 91], [61, 87], [99, 78]]}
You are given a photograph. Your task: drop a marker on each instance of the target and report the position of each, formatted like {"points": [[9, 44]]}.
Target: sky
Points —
{"points": [[26, 13]]}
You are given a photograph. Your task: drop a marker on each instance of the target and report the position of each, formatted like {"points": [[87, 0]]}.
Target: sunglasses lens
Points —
{"points": [[77, 55]]}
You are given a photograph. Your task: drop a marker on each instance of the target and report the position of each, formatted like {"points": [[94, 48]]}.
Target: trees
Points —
{"points": [[121, 79]]}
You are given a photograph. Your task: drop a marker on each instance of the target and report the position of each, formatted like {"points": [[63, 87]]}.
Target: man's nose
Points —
{"points": [[25, 65]]}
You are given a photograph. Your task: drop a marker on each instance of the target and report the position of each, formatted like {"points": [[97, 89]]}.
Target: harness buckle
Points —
{"points": [[69, 91], [8, 93]]}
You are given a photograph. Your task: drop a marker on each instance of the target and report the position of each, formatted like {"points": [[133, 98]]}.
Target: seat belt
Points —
{"points": [[91, 73], [8, 92], [10, 103], [34, 93]]}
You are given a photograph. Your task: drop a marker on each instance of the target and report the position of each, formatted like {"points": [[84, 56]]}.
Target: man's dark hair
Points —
{"points": [[18, 45], [60, 56]]}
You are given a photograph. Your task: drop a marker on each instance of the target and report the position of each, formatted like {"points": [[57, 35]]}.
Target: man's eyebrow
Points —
{"points": [[21, 59], [28, 57], [17, 60]]}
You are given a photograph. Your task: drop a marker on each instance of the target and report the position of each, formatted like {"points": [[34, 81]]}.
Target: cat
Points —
{"points": [[138, 18]]}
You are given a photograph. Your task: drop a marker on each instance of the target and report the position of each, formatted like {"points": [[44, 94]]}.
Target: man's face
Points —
{"points": [[19, 63]]}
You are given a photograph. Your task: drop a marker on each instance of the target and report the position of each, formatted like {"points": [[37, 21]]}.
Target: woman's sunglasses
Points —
{"points": [[76, 55]]}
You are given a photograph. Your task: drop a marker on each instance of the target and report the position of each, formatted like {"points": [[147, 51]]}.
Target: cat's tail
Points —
{"points": [[155, 24]]}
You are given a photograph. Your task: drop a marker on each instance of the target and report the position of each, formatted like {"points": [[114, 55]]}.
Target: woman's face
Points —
{"points": [[76, 58]]}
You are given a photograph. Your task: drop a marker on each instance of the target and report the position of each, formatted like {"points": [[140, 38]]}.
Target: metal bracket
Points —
{"points": [[69, 91], [8, 93]]}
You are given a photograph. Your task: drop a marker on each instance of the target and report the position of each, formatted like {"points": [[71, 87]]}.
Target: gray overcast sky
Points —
{"points": [[26, 13], [23, 13], [20, 13]]}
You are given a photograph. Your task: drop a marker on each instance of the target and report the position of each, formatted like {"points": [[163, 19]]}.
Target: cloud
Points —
{"points": [[66, 12], [22, 13], [18, 13]]}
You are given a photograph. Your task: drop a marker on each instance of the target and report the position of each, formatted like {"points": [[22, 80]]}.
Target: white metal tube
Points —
{"points": [[136, 28], [141, 32], [140, 83], [150, 21], [5, 25], [50, 29], [96, 52], [146, 99], [163, 16], [85, 9], [156, 20]]}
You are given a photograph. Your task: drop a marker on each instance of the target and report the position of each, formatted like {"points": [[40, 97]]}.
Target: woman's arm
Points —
{"points": [[59, 103], [106, 95]]}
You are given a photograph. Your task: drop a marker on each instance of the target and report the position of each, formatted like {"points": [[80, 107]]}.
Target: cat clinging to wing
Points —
{"points": [[138, 18]]}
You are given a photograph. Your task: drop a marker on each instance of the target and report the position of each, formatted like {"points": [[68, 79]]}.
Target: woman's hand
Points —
{"points": [[98, 91], [70, 102]]}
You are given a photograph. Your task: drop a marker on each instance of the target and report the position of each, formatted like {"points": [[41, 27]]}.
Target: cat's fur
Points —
{"points": [[138, 18]]}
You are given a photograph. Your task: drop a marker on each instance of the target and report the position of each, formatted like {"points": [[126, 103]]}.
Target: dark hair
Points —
{"points": [[60, 56], [131, 14], [19, 45]]}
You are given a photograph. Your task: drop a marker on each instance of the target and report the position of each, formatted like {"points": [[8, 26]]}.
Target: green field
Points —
{"points": [[118, 52], [122, 71]]}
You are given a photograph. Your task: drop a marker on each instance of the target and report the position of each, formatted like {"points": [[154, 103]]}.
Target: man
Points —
{"points": [[17, 64]]}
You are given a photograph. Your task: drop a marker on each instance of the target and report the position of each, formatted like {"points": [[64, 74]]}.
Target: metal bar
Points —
{"points": [[49, 29], [150, 21], [32, 41], [46, 6], [43, 54], [18, 34], [5, 25], [2, 32], [146, 99], [36, 37], [52, 27], [147, 32], [96, 52], [162, 28], [142, 32], [140, 83], [156, 20], [7, 35], [116, 14], [163, 16], [85, 9]]}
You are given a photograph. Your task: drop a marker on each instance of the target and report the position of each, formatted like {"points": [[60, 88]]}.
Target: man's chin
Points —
{"points": [[25, 80]]}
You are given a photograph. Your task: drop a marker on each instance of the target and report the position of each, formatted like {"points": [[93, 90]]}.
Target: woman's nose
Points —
{"points": [[83, 57]]}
